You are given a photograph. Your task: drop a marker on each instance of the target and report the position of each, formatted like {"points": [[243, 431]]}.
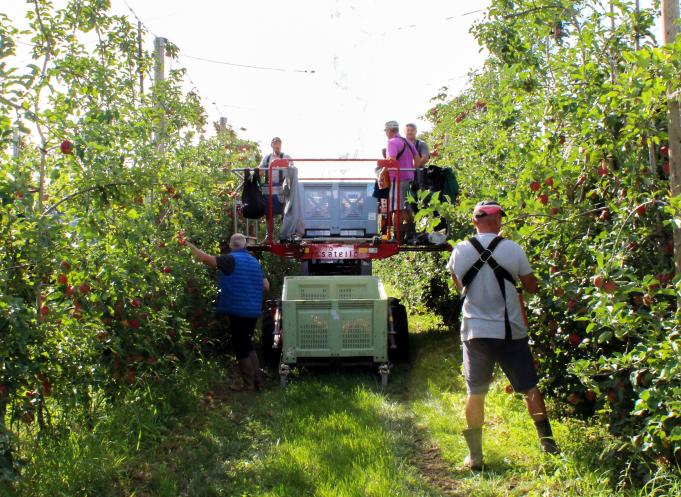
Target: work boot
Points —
{"points": [[548, 444], [258, 377], [247, 376], [473, 438]]}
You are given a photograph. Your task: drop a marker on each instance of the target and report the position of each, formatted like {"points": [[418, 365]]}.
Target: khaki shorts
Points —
{"points": [[514, 356]]}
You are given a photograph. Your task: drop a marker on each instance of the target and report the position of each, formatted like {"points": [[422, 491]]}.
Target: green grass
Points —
{"points": [[332, 432]]}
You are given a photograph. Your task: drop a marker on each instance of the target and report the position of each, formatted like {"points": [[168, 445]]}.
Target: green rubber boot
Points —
{"points": [[548, 444], [473, 438]]}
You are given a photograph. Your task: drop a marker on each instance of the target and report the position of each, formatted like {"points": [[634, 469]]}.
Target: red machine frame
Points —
{"points": [[315, 250]]}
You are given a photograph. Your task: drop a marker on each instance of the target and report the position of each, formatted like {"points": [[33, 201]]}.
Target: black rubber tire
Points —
{"points": [[401, 323]]}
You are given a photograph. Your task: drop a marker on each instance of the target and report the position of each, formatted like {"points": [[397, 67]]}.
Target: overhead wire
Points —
{"points": [[248, 66]]}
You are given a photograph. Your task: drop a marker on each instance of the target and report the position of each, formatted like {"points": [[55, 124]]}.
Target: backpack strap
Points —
{"points": [[417, 143], [501, 274], [406, 145]]}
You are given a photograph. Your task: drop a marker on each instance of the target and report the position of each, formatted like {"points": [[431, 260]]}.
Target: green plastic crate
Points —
{"points": [[334, 317]]}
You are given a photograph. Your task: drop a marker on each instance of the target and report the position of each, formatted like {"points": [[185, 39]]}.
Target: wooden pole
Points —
{"points": [[139, 57], [16, 142], [159, 77], [670, 18]]}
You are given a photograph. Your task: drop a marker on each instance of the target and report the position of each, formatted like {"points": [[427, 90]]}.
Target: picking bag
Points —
{"points": [[252, 202]]}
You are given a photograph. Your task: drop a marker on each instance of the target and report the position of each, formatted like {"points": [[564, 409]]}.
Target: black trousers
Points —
{"points": [[240, 333]]}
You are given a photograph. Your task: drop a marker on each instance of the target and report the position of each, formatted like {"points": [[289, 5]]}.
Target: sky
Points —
{"points": [[373, 61]]}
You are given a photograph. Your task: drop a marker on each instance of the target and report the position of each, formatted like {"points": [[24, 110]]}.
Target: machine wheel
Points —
{"points": [[284, 371], [269, 353], [384, 372], [400, 322]]}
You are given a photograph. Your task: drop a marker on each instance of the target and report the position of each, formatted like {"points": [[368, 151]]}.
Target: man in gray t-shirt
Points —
{"points": [[420, 146], [493, 328], [278, 176]]}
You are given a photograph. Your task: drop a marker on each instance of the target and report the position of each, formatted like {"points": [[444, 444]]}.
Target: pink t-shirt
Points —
{"points": [[395, 146]]}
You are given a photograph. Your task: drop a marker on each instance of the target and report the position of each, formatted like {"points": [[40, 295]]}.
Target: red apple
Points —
{"points": [[548, 181], [66, 147], [544, 198], [590, 395], [554, 211], [44, 310], [136, 302], [664, 151], [62, 279], [65, 265], [167, 269], [571, 304], [599, 281], [603, 170], [574, 339], [610, 286], [509, 388], [668, 248], [84, 288], [641, 210], [70, 291], [535, 186], [559, 292]]}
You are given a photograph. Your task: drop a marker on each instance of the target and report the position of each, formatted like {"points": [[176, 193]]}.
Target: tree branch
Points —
{"points": [[81, 192]]}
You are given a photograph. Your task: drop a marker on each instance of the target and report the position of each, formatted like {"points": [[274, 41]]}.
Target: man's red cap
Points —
{"points": [[487, 208]]}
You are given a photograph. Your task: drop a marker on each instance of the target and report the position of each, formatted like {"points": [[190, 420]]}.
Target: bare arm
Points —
{"points": [[201, 256], [529, 282], [266, 285], [458, 284]]}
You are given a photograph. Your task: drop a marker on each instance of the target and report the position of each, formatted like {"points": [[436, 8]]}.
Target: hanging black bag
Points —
{"points": [[252, 202]]}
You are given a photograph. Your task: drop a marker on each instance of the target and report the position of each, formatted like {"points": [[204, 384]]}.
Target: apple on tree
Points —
{"points": [[66, 147]]}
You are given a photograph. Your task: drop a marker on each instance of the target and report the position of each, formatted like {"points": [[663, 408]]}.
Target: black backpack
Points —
{"points": [[252, 203]]}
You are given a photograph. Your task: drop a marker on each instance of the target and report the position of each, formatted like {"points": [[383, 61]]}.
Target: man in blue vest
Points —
{"points": [[241, 285]]}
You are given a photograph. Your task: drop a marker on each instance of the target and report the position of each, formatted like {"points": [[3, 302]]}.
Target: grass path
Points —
{"points": [[335, 433]]}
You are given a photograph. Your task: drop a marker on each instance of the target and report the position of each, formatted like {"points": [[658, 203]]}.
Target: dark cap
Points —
{"points": [[275, 139]]}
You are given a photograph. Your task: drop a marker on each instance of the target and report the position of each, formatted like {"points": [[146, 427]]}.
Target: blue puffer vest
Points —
{"points": [[240, 293]]}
